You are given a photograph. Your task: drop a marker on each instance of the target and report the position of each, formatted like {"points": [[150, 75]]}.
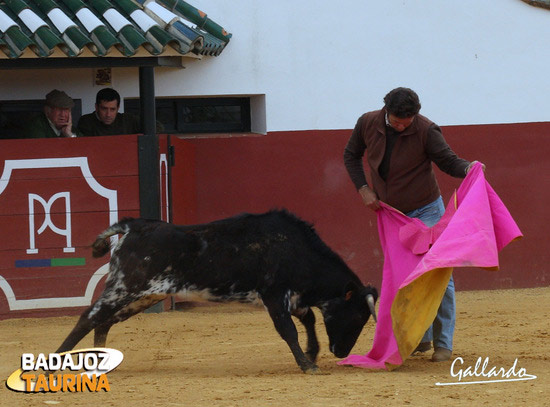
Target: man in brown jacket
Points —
{"points": [[400, 136]]}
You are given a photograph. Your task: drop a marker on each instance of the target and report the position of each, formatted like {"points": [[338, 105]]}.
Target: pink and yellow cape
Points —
{"points": [[418, 262]]}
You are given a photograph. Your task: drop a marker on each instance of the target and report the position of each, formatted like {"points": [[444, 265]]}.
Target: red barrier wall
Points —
{"points": [[304, 172], [56, 195]]}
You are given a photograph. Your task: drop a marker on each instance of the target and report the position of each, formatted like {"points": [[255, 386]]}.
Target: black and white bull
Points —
{"points": [[275, 257]]}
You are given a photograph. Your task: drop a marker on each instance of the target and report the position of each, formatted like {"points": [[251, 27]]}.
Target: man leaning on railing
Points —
{"points": [[56, 119]]}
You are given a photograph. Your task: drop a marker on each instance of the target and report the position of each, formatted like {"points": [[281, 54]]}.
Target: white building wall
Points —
{"points": [[320, 63]]}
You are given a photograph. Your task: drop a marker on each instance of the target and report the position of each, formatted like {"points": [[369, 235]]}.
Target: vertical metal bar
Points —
{"points": [[171, 163], [148, 155], [148, 148], [147, 99]]}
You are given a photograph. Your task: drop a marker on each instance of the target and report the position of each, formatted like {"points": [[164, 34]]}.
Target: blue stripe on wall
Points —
{"points": [[33, 263]]}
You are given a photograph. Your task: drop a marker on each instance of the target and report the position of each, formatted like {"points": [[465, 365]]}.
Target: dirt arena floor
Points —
{"points": [[230, 355]]}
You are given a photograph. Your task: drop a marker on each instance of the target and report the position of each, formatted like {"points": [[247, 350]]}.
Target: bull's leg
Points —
{"points": [[100, 335], [101, 331], [84, 325], [286, 328], [97, 314], [307, 318]]}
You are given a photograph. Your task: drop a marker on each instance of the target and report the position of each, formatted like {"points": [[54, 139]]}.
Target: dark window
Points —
{"points": [[14, 115], [199, 115]]}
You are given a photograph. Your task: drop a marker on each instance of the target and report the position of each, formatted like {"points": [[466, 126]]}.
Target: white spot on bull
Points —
{"points": [[114, 269], [159, 285], [111, 296], [117, 290], [96, 308], [119, 244], [291, 300]]}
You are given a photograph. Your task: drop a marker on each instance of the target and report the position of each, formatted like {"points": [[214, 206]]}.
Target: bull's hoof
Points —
{"points": [[312, 355], [314, 370]]}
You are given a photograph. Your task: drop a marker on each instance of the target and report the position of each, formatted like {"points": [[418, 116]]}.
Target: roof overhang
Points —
{"points": [[90, 62], [71, 33]]}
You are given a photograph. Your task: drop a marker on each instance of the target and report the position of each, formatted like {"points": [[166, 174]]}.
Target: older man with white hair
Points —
{"points": [[56, 119]]}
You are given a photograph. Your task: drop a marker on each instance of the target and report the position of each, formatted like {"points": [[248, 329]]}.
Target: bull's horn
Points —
{"points": [[370, 302]]}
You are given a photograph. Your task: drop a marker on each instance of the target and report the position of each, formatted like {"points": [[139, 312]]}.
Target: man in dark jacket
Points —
{"points": [[400, 136], [106, 120], [56, 119]]}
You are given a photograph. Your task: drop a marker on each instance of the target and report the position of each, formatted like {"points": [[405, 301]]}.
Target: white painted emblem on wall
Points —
{"points": [[48, 220], [112, 205]]}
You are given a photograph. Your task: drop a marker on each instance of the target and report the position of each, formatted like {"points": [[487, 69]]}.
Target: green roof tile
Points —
{"points": [[102, 38], [47, 40], [17, 6], [197, 17], [158, 26], [75, 39], [14, 41], [133, 39]]}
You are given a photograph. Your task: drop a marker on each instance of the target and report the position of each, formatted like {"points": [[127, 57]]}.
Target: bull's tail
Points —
{"points": [[102, 243]]}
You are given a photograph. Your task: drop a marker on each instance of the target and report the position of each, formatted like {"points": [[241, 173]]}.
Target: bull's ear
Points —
{"points": [[351, 288]]}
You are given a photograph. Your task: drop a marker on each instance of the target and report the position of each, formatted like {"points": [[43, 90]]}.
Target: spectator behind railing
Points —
{"points": [[56, 119], [107, 121]]}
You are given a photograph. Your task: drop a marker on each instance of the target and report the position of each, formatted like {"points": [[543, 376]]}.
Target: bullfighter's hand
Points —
{"points": [[369, 198], [469, 167]]}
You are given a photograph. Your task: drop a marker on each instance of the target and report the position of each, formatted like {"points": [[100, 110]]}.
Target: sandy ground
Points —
{"points": [[230, 355]]}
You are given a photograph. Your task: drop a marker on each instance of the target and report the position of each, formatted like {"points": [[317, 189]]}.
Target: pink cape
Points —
{"points": [[418, 262]]}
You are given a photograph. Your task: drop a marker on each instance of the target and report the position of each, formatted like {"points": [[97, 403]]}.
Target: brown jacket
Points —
{"points": [[411, 181]]}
